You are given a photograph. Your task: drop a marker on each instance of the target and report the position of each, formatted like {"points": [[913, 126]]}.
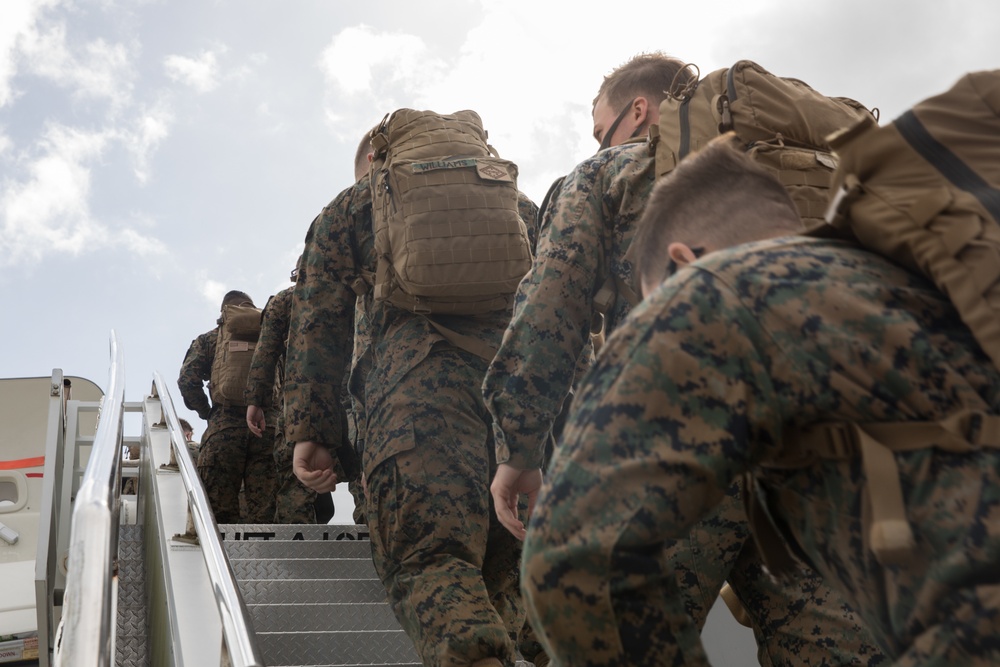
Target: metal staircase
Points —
{"points": [[313, 596]]}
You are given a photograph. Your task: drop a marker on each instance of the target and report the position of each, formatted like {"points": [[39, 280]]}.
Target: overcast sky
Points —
{"points": [[155, 154]]}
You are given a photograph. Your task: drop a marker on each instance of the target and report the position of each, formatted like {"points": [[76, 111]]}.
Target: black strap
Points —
{"points": [[950, 165], [553, 189]]}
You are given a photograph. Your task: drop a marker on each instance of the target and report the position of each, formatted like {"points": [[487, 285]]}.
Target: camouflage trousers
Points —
{"points": [[294, 501], [233, 458], [802, 622], [449, 567]]}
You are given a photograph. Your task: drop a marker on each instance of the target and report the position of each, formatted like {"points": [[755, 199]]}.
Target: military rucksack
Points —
{"points": [[239, 329], [783, 124], [923, 191], [448, 235]]}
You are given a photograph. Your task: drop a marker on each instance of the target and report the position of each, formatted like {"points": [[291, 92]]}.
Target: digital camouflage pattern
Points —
{"points": [[586, 232], [294, 502], [450, 573], [699, 385], [230, 456]]}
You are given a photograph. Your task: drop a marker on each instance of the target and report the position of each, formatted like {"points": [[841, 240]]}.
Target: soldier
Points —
{"points": [[449, 568], [586, 231], [725, 369], [294, 501], [230, 456]]}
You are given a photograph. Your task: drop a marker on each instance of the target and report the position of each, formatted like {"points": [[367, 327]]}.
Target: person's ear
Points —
{"points": [[371, 156], [640, 111], [681, 253]]}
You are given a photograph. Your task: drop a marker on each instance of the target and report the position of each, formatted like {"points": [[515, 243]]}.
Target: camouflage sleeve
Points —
{"points": [[196, 370], [530, 378], [529, 213], [269, 350], [657, 433], [321, 328]]}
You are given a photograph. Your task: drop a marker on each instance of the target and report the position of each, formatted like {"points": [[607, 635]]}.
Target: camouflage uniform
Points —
{"points": [[230, 455], [700, 385], [449, 567], [585, 234], [294, 501]]}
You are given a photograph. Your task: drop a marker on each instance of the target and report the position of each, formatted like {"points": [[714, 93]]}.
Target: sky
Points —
{"points": [[155, 154]]}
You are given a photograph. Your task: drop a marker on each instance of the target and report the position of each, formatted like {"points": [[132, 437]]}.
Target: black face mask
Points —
{"points": [[606, 142]]}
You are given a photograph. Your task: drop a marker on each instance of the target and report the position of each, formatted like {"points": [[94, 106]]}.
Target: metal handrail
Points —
{"points": [[88, 601], [239, 639]]}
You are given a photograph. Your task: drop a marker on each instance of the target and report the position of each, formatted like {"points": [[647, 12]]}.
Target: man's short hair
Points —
{"points": [[648, 75], [236, 298], [715, 198], [361, 155]]}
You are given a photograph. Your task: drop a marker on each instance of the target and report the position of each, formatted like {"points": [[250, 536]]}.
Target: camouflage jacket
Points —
{"points": [[585, 234], [699, 385], [267, 368], [321, 345], [196, 372]]}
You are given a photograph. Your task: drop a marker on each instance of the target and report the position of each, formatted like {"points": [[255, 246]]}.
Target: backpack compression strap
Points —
{"points": [[890, 535]]}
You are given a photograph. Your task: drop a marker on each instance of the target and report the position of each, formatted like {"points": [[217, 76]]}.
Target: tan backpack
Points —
{"points": [[448, 235], [923, 191], [239, 329], [783, 124]]}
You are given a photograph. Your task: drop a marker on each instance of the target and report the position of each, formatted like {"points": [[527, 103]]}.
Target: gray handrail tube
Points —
{"points": [[239, 639]]}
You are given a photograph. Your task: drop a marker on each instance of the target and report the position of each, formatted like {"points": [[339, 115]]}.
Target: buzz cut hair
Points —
{"points": [[715, 198], [651, 75], [236, 298], [361, 155]]}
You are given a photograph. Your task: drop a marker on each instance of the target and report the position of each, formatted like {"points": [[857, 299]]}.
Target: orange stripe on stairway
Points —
{"points": [[14, 464]]}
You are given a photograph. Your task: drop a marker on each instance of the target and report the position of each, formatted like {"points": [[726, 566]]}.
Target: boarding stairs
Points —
{"points": [[151, 579]]}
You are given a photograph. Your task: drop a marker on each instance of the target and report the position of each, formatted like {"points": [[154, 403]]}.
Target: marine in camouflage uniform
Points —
{"points": [[449, 568], [294, 501], [230, 456], [585, 234], [701, 384]]}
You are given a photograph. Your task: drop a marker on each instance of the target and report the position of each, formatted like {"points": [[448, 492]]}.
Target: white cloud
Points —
{"points": [[101, 70], [19, 18], [201, 73], [213, 291], [372, 72], [48, 211], [151, 129]]}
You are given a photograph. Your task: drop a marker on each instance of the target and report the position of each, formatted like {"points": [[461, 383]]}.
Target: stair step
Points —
{"points": [[337, 648], [325, 617], [312, 591], [297, 549], [284, 531], [303, 568]]}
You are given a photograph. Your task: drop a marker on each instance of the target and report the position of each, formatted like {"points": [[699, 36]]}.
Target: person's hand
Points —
{"points": [[313, 465], [255, 420], [508, 485]]}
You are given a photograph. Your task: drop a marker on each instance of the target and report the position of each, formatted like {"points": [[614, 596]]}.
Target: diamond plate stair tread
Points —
{"points": [[323, 617], [297, 549], [132, 634], [285, 531], [337, 648], [311, 591], [304, 568]]}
